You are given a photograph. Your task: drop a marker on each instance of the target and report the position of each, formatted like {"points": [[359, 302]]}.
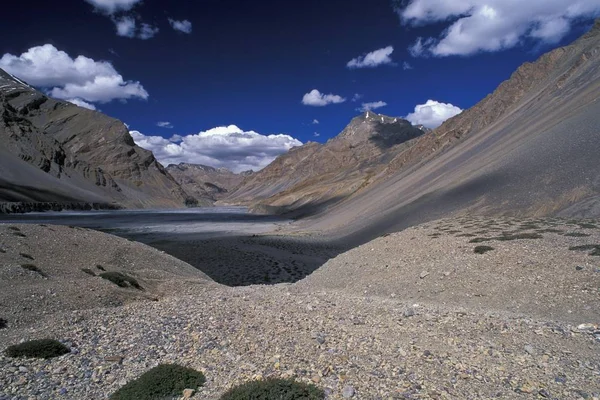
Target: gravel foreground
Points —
{"points": [[413, 315]]}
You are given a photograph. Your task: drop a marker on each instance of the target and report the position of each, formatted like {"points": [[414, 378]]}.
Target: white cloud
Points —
{"points": [[406, 66], [432, 114], [81, 103], [80, 78], [125, 27], [147, 32], [356, 97], [318, 99], [371, 106], [493, 25], [184, 26], [225, 146], [316, 134], [315, 122], [112, 6], [372, 59], [165, 124]]}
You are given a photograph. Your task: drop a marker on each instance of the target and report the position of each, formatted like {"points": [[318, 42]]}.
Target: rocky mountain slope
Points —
{"points": [[206, 184], [317, 175], [530, 148], [54, 151]]}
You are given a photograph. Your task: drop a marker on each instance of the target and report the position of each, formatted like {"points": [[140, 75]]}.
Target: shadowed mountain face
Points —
{"points": [[316, 174], [55, 151], [206, 184], [528, 149]]}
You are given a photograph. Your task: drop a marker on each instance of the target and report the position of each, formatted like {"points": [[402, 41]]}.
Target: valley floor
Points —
{"points": [[424, 313]]}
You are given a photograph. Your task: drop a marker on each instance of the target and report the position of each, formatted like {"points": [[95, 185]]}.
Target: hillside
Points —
{"points": [[206, 184], [527, 149], [54, 151], [317, 175]]}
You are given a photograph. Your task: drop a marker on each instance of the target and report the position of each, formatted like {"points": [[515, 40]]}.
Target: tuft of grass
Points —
{"points": [[482, 249], [44, 348], [28, 256], [34, 268], [121, 280], [163, 381], [100, 267], [269, 389], [88, 271], [576, 234]]}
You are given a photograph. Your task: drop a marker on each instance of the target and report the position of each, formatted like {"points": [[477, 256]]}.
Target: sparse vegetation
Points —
{"points": [[161, 382], [28, 256], [121, 280], [19, 234], [595, 249], [34, 268], [482, 249], [270, 389], [44, 348], [100, 267], [519, 236], [88, 271], [14, 228]]}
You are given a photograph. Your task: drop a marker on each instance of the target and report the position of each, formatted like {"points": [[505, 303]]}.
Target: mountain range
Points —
{"points": [[529, 148]]}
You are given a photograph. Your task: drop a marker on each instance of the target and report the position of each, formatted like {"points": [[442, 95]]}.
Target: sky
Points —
{"points": [[235, 83]]}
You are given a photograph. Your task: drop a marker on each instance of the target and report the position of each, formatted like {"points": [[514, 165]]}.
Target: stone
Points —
{"points": [[409, 312], [529, 349], [348, 392], [424, 275], [188, 393]]}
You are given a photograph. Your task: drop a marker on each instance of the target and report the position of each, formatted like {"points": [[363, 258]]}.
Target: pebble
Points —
{"points": [[348, 392]]}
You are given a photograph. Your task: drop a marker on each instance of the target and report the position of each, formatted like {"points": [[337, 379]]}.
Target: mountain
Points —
{"points": [[206, 184], [55, 151], [322, 174], [530, 148]]}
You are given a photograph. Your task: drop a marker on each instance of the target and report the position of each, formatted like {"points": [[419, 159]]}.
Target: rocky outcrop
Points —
{"points": [[206, 184], [20, 208], [73, 145]]}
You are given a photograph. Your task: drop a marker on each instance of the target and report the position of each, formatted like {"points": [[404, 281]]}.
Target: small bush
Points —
{"points": [[34, 268], [44, 348], [121, 279], [482, 249], [28, 256], [270, 389], [88, 271], [161, 382], [100, 267]]}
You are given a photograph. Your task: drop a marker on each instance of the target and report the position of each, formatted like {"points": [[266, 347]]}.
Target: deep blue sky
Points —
{"points": [[249, 63]]}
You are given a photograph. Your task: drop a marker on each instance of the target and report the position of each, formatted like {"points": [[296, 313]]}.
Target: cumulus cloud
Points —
{"points": [[112, 6], [147, 32], [493, 25], [318, 99], [81, 103], [184, 26], [79, 79], [225, 146], [315, 122], [371, 106], [125, 27], [432, 114], [316, 134], [165, 124], [372, 59]]}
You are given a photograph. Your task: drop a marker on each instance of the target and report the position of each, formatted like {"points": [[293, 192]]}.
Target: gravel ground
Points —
{"points": [[406, 336]]}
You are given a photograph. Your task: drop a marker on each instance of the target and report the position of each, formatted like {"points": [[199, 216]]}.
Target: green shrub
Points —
{"points": [[482, 249], [121, 279], [44, 348], [28, 256], [88, 271], [34, 268], [160, 382], [271, 389]]}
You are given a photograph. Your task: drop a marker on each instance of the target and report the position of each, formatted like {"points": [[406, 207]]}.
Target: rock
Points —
{"points": [[578, 268], [23, 369], [529, 349], [424, 275], [348, 392], [116, 359], [544, 393], [188, 393], [409, 312], [586, 327]]}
